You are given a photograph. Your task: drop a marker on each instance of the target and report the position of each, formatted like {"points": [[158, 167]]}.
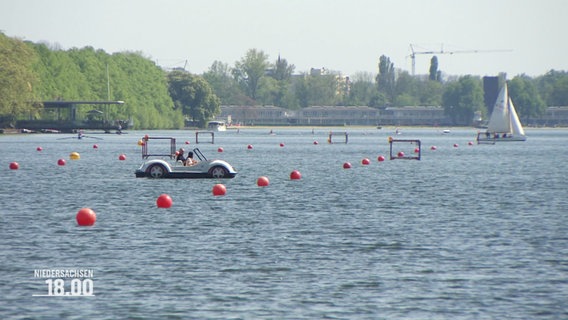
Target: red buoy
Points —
{"points": [[95, 146], [346, 165], [220, 149], [86, 217], [295, 175], [365, 161], [416, 150], [281, 144], [164, 201], [39, 148], [400, 154], [315, 142], [122, 157], [249, 146], [470, 143], [61, 162], [456, 145], [219, 190], [381, 158], [187, 142], [262, 181], [14, 166], [433, 148]]}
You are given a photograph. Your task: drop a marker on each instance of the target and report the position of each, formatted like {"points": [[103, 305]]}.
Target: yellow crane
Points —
{"points": [[442, 51]]}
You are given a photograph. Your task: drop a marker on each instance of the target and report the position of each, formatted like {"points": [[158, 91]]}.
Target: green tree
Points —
{"points": [[362, 89], [527, 100], [462, 98], [89, 74], [144, 87], [406, 88], [282, 70], [282, 74], [193, 95], [61, 78], [553, 87], [322, 89], [430, 93], [386, 79], [17, 80], [223, 84], [89, 66], [435, 74], [249, 70], [268, 92], [301, 91]]}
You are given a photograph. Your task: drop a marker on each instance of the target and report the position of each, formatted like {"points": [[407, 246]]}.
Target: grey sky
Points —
{"points": [[343, 35]]}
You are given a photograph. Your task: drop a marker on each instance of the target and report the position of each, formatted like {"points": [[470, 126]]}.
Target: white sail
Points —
{"points": [[516, 127], [500, 119]]}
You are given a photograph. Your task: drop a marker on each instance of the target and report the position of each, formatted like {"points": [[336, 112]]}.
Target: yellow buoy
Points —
{"points": [[74, 156]]}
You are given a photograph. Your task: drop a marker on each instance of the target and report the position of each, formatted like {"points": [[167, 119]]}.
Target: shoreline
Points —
{"points": [[10, 131]]}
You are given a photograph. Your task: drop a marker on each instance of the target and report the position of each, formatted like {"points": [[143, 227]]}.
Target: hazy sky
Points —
{"points": [[342, 35]]}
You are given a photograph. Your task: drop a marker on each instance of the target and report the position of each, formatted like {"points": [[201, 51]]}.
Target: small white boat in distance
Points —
{"points": [[217, 126], [504, 124]]}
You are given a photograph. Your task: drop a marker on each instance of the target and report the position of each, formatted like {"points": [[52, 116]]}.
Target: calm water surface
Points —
{"points": [[468, 232]]}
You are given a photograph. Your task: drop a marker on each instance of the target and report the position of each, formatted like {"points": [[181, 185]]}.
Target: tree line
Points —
{"points": [[158, 99]]}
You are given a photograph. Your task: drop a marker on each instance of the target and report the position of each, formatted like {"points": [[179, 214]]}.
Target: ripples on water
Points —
{"points": [[473, 232]]}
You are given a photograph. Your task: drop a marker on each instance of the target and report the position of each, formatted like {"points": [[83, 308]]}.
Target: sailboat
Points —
{"points": [[504, 123]]}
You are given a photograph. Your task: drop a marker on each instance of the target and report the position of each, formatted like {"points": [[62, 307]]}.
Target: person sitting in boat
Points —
{"points": [[180, 156], [189, 161]]}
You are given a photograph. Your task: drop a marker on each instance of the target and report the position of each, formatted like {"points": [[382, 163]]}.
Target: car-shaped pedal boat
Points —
{"points": [[204, 168]]}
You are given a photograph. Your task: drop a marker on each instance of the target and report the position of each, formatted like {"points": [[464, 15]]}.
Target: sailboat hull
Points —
{"points": [[485, 137]]}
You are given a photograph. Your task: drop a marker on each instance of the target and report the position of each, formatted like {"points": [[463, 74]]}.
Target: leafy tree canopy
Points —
{"points": [[526, 98], [462, 98], [17, 79], [250, 69], [193, 95], [89, 74]]}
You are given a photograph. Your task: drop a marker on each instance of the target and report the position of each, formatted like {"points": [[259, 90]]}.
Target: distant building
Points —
{"points": [[332, 115], [318, 71], [414, 116], [361, 115], [490, 92], [255, 115], [337, 115], [553, 117]]}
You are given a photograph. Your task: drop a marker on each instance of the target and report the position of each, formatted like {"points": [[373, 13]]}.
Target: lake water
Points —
{"points": [[468, 232]]}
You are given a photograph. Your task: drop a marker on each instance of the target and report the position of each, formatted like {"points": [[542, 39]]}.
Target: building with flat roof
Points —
{"points": [[361, 115], [69, 116]]}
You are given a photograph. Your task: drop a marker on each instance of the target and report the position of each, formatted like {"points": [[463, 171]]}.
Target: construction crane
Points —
{"points": [[414, 53]]}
